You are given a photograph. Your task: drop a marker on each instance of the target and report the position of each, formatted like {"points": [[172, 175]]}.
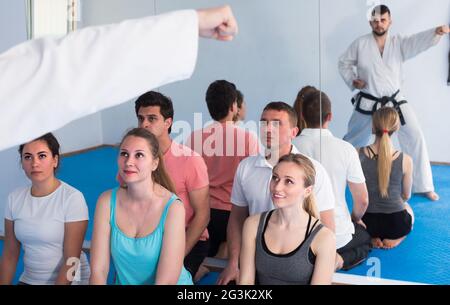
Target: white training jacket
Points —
{"points": [[383, 74], [49, 82]]}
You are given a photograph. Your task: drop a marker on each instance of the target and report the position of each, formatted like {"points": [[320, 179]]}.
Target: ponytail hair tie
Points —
{"points": [[385, 131]]}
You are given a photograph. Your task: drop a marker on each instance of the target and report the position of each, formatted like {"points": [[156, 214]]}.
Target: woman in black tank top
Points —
{"points": [[288, 245]]}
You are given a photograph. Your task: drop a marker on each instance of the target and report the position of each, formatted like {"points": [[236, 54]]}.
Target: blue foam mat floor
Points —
{"points": [[423, 257]]}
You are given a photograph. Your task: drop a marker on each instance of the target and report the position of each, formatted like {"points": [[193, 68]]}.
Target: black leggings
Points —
{"points": [[217, 229], [195, 258], [388, 226], [357, 250]]}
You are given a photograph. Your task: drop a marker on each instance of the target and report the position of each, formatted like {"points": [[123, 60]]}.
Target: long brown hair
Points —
{"points": [[309, 204], [298, 105], [385, 122], [159, 175]]}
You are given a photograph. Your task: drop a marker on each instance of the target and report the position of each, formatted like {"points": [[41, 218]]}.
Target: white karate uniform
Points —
{"points": [[383, 77], [49, 82]]}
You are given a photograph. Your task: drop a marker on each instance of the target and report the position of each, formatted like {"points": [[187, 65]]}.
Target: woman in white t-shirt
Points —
{"points": [[47, 219]]}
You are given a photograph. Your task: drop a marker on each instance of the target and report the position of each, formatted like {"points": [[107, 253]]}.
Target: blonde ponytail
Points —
{"points": [[161, 176], [385, 123], [384, 165], [310, 205]]}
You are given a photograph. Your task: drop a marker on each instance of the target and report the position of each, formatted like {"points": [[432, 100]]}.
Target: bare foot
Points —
{"points": [[392, 243], [377, 243], [432, 196]]}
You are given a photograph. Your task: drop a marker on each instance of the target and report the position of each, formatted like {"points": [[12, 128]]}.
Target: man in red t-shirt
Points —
{"points": [[223, 144], [187, 170]]}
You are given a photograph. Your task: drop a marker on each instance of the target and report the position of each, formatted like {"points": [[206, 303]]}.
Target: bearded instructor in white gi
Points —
{"points": [[378, 59]]}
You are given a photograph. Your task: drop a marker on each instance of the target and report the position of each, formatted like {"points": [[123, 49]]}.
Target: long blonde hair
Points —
{"points": [[309, 204], [159, 175], [385, 122]]}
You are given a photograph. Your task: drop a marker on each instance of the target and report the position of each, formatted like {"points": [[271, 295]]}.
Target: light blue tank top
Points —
{"points": [[136, 259]]}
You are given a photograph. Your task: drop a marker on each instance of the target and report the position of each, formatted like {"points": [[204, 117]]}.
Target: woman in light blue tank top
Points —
{"points": [[141, 227]]}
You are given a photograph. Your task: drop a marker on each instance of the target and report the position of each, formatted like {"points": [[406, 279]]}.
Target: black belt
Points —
{"points": [[379, 103]]}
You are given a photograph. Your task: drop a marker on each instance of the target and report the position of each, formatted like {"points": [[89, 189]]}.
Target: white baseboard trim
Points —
{"points": [[350, 279]]}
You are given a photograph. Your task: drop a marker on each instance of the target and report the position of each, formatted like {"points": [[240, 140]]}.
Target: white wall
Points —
{"points": [[276, 53], [12, 32], [271, 58], [12, 23]]}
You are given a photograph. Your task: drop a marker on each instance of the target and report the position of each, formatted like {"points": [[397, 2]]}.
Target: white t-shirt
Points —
{"points": [[39, 227], [252, 180], [341, 161]]}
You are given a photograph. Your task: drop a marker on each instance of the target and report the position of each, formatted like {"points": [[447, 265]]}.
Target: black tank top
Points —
{"points": [[294, 268]]}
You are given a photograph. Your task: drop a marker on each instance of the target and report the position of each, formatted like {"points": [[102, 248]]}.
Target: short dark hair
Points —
{"points": [[220, 97], [282, 106], [52, 143], [381, 10], [312, 114], [153, 98]]}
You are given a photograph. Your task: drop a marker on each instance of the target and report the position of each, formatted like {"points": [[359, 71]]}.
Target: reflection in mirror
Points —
{"points": [[393, 56], [52, 17], [274, 55]]}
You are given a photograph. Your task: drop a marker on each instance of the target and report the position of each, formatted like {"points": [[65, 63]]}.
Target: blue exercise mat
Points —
{"points": [[424, 256], [91, 173], [19, 268]]}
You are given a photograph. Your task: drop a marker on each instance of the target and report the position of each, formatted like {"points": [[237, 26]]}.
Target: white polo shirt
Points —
{"points": [[252, 179], [341, 161]]}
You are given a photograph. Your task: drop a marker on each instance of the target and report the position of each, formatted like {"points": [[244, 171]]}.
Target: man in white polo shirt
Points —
{"points": [[341, 161], [251, 195]]}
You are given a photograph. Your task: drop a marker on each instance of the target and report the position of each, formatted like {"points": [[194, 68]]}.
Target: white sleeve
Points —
{"points": [[323, 189], [237, 192], [75, 208], [347, 64], [355, 172], [417, 43], [49, 82], [8, 209]]}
